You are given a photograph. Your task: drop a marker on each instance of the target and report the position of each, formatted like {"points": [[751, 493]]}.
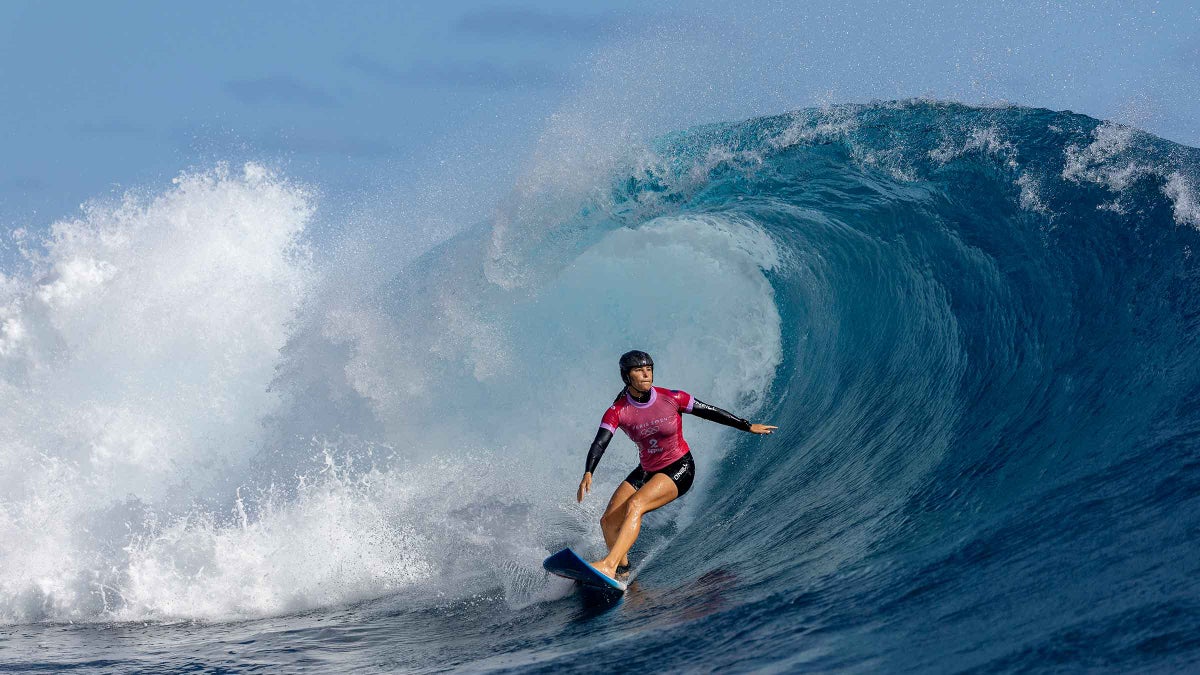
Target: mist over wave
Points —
{"points": [[974, 326]]}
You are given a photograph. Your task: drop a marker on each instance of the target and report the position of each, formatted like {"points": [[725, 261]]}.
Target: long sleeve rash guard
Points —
{"points": [[655, 426]]}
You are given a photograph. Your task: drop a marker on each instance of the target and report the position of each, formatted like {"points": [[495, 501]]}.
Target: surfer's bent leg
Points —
{"points": [[659, 491], [614, 515]]}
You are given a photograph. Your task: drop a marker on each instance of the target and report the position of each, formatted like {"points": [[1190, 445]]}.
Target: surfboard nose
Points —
{"points": [[569, 564]]}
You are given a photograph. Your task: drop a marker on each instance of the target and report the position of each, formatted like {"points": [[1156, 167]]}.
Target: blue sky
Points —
{"points": [[372, 99]]}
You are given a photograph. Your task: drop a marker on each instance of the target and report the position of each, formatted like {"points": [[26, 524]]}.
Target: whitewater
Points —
{"points": [[231, 444]]}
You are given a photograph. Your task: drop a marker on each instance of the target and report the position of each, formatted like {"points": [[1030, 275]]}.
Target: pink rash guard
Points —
{"points": [[655, 426]]}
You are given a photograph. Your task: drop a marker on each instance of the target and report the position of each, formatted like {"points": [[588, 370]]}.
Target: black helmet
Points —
{"points": [[634, 359]]}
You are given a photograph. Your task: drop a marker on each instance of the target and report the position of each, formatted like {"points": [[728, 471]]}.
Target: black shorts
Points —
{"points": [[682, 471]]}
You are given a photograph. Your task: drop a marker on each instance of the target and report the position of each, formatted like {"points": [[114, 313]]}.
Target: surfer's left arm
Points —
{"points": [[714, 414]]}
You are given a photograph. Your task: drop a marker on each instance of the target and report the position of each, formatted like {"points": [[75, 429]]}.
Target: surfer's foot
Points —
{"points": [[623, 568], [607, 570]]}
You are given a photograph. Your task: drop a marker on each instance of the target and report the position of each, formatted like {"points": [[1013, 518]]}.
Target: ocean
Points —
{"points": [[232, 446]]}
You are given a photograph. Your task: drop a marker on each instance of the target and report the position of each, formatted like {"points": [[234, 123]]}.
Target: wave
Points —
{"points": [[974, 327]]}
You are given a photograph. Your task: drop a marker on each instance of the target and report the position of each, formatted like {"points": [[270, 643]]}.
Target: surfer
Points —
{"points": [[651, 417]]}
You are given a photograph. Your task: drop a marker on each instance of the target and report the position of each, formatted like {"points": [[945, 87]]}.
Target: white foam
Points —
{"points": [[135, 357], [1184, 200], [823, 124], [1030, 196], [1096, 163], [987, 141], [340, 540], [1103, 162]]}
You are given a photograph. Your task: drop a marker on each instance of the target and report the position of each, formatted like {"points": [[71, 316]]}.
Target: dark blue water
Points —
{"points": [[980, 346]]}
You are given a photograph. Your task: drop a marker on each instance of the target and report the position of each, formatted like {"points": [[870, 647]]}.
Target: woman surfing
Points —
{"points": [[652, 418]]}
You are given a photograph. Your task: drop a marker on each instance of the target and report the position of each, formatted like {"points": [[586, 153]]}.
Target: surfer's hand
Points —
{"points": [[585, 486], [761, 429]]}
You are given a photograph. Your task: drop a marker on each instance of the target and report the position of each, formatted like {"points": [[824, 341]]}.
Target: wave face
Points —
{"points": [[975, 327]]}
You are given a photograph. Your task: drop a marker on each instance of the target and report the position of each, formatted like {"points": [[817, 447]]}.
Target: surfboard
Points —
{"points": [[567, 563]]}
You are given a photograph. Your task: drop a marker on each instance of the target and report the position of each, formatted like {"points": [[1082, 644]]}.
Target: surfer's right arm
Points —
{"points": [[608, 426], [599, 445]]}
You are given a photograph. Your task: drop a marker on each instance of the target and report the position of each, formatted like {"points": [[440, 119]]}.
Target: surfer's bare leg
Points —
{"points": [[614, 515], [659, 491]]}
